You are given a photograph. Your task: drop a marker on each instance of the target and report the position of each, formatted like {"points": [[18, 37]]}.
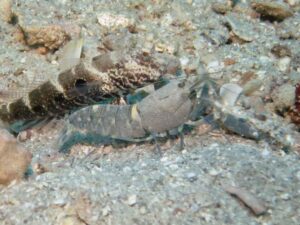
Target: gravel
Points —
{"points": [[133, 184]]}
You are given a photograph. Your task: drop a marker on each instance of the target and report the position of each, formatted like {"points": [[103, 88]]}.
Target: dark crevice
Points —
{"points": [[271, 19]]}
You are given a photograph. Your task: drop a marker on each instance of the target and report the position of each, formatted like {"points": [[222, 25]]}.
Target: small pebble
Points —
{"points": [[14, 159], [143, 210], [298, 175], [59, 202], [179, 160], [281, 51], [184, 151], [221, 8], [164, 159], [6, 13], [251, 86], [24, 135], [127, 169], [272, 10], [285, 196], [230, 93], [184, 61], [106, 210], [195, 208], [173, 166], [191, 176], [284, 64], [132, 199], [242, 28], [266, 153], [213, 172], [114, 21], [293, 2], [144, 164], [49, 36], [295, 62], [215, 66], [214, 145], [265, 59], [284, 96], [23, 60]]}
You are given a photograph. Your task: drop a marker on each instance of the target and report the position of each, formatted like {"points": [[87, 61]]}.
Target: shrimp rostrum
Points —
{"points": [[163, 111]]}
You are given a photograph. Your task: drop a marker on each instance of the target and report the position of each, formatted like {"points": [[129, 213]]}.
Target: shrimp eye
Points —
{"points": [[81, 86]]}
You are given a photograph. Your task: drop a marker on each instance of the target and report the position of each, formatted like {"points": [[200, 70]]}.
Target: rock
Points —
{"points": [[257, 104], [281, 51], [119, 40], [6, 13], [14, 159], [214, 66], [49, 36], [24, 135], [295, 109], [221, 7], [293, 2], [230, 93], [143, 210], [284, 97], [132, 199], [242, 28], [251, 86], [106, 211], [297, 175], [229, 61], [272, 10], [287, 31], [166, 47], [294, 77], [245, 9], [247, 76], [84, 209], [113, 21], [217, 36], [70, 220], [285, 196], [191, 176], [295, 62], [284, 64]]}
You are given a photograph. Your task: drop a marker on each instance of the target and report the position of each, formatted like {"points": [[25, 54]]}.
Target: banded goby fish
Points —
{"points": [[111, 74]]}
